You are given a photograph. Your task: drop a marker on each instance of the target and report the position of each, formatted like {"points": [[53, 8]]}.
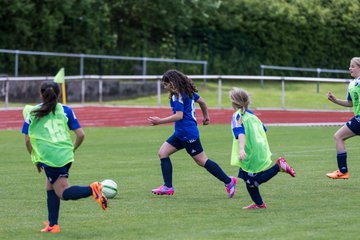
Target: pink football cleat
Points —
{"points": [[230, 187], [163, 190], [255, 206], [285, 167]]}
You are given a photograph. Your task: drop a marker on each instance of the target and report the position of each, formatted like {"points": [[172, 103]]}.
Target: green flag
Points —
{"points": [[60, 76]]}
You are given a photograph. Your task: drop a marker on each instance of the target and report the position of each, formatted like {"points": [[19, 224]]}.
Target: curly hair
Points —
{"points": [[179, 83], [49, 92]]}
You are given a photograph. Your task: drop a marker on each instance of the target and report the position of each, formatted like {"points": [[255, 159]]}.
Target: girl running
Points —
{"points": [[352, 127], [183, 95], [48, 141], [250, 151]]}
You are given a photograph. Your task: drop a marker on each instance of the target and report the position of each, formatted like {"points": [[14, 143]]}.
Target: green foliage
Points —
{"points": [[303, 207], [235, 37]]}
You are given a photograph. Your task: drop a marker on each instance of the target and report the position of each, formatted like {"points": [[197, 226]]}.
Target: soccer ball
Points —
{"points": [[109, 188]]}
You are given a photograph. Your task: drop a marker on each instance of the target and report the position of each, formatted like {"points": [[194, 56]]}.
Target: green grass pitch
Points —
{"points": [[309, 206]]}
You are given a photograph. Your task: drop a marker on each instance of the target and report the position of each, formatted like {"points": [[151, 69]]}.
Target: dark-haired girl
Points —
{"points": [[183, 96], [48, 141]]}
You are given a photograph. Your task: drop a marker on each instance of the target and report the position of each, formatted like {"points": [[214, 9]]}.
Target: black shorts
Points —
{"points": [[354, 124], [53, 173], [193, 147], [249, 178]]}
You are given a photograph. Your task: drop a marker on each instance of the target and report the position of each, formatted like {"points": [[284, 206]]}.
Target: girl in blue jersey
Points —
{"points": [[250, 150], [352, 127], [48, 141], [183, 96]]}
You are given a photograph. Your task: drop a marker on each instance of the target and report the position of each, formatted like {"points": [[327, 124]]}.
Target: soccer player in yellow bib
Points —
{"points": [[250, 151], [48, 141], [352, 127]]}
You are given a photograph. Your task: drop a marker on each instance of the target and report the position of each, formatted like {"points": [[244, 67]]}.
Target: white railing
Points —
{"points": [[82, 57], [101, 78]]}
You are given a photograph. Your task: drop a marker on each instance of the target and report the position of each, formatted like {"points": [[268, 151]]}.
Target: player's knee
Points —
{"points": [[252, 184], [162, 154]]}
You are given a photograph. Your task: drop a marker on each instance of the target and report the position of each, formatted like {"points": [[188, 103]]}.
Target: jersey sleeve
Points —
{"points": [[348, 96], [178, 103], [73, 123], [25, 127], [196, 96], [236, 125]]}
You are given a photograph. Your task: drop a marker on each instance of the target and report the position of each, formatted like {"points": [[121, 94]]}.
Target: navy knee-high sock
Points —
{"points": [[77, 192], [53, 205], [213, 168], [341, 161], [267, 174], [254, 194], [166, 169]]}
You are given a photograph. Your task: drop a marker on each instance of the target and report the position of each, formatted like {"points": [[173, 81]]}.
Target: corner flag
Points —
{"points": [[60, 78]]}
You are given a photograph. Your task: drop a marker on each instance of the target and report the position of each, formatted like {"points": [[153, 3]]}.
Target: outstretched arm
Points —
{"points": [[175, 117], [203, 107], [344, 103]]}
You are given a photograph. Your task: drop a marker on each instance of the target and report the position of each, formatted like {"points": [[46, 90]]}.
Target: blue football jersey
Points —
{"points": [[186, 128]]}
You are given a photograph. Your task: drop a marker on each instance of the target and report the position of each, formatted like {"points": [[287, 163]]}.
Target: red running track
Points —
{"points": [[104, 116]]}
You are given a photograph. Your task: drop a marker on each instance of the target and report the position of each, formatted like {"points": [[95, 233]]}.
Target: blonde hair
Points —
{"points": [[239, 99], [356, 60]]}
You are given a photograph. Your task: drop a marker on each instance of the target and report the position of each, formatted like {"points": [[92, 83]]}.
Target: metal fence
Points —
{"points": [[299, 69], [6, 81], [82, 57]]}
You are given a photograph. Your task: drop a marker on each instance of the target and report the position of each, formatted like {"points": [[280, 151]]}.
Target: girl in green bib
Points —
{"points": [[250, 151], [352, 127], [48, 141]]}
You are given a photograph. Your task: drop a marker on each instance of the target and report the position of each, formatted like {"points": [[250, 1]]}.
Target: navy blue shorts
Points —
{"points": [[193, 147], [354, 124], [249, 178], [53, 173]]}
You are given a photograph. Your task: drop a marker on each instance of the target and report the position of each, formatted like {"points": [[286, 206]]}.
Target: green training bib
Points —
{"points": [[258, 155], [50, 138]]}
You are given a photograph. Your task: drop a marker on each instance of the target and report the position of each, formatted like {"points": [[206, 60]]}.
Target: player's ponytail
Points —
{"points": [[239, 99], [49, 92]]}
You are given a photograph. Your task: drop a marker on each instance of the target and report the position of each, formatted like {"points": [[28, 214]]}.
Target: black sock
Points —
{"points": [[166, 169], [267, 174], [216, 171], [254, 194], [341, 161], [53, 205], [77, 192]]}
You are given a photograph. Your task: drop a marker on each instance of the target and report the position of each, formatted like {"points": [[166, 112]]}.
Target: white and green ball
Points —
{"points": [[109, 188]]}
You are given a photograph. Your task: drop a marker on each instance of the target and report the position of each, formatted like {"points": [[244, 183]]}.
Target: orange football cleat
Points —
{"points": [[53, 229], [338, 175], [98, 196]]}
